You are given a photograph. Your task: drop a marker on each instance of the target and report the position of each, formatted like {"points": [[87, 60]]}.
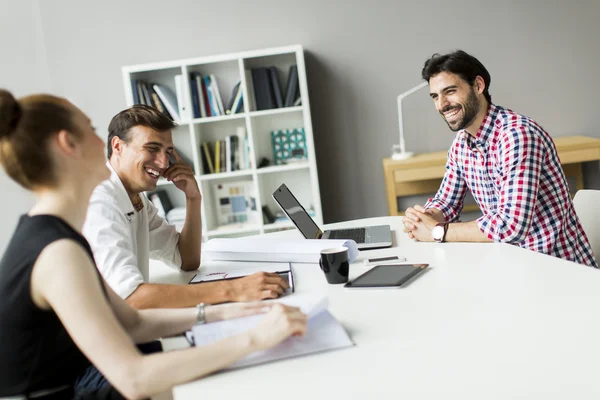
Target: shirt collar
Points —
{"points": [[120, 193], [485, 130]]}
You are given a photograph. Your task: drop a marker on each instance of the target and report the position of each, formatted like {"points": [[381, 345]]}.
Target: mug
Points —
{"points": [[335, 265]]}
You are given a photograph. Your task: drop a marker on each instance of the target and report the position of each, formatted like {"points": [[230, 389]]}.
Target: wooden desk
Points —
{"points": [[422, 173]]}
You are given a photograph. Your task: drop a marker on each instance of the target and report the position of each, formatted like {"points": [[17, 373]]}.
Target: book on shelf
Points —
{"points": [[208, 158], [226, 155], [169, 100], [292, 91], [233, 103], [235, 202], [195, 96], [217, 93], [134, 92], [212, 101], [266, 89], [262, 89], [275, 88], [250, 90]]}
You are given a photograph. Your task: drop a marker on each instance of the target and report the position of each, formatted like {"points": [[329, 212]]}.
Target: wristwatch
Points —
{"points": [[201, 313], [439, 232]]}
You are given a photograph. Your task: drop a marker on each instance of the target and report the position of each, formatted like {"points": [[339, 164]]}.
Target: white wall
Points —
{"points": [[543, 58], [23, 70]]}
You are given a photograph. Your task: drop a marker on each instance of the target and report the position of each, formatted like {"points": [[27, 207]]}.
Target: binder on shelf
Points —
{"points": [[275, 87], [291, 93], [169, 100], [180, 97], [262, 89]]}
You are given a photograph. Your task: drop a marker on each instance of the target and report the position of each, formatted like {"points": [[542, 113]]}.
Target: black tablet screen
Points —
{"points": [[387, 275]]}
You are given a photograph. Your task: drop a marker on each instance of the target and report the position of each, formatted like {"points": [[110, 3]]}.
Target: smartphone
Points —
{"points": [[388, 275], [171, 160]]}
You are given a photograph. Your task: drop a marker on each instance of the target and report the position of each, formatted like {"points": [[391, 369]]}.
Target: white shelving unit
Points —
{"points": [[300, 177]]}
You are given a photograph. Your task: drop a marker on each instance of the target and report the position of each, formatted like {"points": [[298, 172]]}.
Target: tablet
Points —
{"points": [[389, 275]]}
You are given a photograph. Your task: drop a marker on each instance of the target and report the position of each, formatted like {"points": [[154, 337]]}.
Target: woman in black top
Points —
{"points": [[56, 311]]}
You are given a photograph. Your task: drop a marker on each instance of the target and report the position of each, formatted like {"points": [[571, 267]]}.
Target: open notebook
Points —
{"points": [[323, 333]]}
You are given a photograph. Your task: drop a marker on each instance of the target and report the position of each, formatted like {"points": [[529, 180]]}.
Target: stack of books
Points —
{"points": [[206, 97], [158, 96], [226, 155], [267, 90]]}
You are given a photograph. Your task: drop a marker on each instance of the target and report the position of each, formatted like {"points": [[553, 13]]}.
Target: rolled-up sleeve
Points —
{"points": [[450, 196], [164, 239], [107, 231], [521, 157]]}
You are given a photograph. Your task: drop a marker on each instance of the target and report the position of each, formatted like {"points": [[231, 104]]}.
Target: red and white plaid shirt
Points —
{"points": [[515, 176]]}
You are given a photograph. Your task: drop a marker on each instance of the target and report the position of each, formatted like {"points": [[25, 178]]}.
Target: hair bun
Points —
{"points": [[10, 113]]}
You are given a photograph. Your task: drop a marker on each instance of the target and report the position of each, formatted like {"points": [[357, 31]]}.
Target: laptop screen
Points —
{"points": [[297, 213]]}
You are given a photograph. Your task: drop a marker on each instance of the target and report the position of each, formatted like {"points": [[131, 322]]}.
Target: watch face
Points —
{"points": [[437, 232]]}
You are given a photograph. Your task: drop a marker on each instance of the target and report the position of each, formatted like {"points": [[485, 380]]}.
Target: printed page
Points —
{"points": [[323, 333]]}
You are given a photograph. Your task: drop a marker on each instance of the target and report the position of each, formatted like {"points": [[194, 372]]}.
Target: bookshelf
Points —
{"points": [[252, 123]]}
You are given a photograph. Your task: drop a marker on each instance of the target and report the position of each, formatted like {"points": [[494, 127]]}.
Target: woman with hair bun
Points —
{"points": [[57, 313]]}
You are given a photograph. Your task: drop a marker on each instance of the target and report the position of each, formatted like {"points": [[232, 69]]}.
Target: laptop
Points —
{"points": [[367, 238]]}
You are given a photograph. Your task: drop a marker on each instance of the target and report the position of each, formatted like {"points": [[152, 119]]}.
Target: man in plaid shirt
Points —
{"points": [[507, 161]]}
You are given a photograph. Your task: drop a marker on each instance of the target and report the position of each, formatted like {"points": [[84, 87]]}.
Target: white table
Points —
{"points": [[487, 321]]}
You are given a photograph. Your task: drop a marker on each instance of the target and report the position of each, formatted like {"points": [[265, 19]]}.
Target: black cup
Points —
{"points": [[334, 263]]}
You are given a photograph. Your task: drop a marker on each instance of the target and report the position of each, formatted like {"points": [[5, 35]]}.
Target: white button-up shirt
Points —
{"points": [[123, 240]]}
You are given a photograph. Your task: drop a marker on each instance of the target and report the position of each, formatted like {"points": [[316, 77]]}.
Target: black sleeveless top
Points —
{"points": [[36, 352]]}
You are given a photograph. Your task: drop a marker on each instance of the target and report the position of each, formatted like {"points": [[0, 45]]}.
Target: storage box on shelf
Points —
{"points": [[215, 99]]}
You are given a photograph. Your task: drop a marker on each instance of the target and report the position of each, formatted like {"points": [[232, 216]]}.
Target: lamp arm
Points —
{"points": [[400, 121]]}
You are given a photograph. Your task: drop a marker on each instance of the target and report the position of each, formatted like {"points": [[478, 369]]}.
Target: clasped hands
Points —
{"points": [[419, 221]]}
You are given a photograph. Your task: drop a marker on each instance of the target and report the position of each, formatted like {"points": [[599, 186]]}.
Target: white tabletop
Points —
{"points": [[486, 321]]}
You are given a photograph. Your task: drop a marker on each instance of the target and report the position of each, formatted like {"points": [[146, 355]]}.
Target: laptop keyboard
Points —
{"points": [[357, 234]]}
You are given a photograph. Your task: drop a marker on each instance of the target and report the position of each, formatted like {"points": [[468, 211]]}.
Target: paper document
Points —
{"points": [[221, 270], [274, 250], [323, 332]]}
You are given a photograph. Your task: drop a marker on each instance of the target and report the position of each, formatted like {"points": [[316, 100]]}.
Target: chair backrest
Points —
{"points": [[587, 204]]}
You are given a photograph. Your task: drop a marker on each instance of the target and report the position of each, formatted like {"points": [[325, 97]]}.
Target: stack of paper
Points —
{"points": [[274, 250], [323, 332]]}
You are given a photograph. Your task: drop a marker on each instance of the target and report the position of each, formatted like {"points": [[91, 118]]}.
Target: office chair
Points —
{"points": [[586, 206]]}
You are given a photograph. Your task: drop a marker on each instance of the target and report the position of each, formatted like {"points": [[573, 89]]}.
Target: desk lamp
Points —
{"points": [[398, 150]]}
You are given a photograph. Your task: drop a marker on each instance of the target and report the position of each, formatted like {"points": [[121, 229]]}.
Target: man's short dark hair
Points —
{"points": [[460, 63], [135, 116]]}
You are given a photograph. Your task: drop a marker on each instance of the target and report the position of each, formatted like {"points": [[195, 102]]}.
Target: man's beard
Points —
{"points": [[470, 110]]}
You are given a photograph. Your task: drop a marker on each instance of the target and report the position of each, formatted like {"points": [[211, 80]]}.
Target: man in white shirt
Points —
{"points": [[124, 230]]}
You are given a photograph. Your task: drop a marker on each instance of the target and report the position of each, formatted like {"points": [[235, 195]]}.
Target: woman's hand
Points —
{"points": [[280, 323], [222, 312]]}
